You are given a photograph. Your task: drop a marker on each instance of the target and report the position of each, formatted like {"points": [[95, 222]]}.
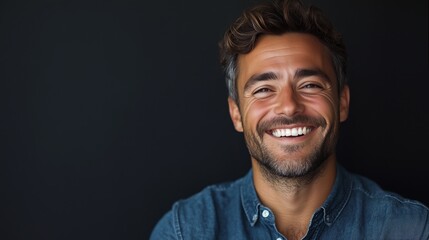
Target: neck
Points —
{"points": [[294, 200]]}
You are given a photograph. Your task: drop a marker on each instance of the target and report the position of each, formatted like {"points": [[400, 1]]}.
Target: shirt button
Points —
{"points": [[265, 213]]}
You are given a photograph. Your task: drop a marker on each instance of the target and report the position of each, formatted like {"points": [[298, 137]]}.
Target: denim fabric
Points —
{"points": [[357, 208]]}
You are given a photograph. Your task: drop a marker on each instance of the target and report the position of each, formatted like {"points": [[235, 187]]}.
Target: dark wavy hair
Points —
{"points": [[278, 17]]}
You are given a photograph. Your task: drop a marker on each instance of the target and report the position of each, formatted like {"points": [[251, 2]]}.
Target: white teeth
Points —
{"points": [[294, 132], [287, 132]]}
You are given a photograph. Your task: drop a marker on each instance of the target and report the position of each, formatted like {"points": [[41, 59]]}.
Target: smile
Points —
{"points": [[288, 132]]}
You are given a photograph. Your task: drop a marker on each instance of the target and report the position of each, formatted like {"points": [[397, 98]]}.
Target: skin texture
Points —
{"points": [[287, 81]]}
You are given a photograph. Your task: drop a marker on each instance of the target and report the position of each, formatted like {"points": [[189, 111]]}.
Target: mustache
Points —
{"points": [[275, 122]]}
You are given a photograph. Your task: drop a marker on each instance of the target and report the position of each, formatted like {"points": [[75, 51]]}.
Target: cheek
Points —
{"points": [[254, 111], [326, 105]]}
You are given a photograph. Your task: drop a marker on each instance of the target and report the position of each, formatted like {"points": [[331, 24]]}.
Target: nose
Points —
{"points": [[288, 103]]}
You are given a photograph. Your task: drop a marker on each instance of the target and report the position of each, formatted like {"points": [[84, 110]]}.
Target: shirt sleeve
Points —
{"points": [[165, 228], [425, 233]]}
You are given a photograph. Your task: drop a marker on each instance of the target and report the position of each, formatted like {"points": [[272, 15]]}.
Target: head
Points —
{"points": [[285, 69], [277, 17]]}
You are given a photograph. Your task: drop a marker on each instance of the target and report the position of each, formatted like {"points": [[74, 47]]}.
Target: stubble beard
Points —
{"points": [[283, 168]]}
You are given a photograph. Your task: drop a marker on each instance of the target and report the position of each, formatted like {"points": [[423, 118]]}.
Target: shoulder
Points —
{"points": [[212, 201], [370, 191], [212, 194], [196, 214], [395, 213]]}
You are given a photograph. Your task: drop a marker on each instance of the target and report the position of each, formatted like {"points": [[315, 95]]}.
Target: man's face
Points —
{"points": [[288, 103]]}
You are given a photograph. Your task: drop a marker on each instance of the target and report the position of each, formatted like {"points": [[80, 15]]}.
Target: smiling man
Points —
{"points": [[285, 68]]}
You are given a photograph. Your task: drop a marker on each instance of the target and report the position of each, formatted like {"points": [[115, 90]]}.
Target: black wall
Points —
{"points": [[112, 110]]}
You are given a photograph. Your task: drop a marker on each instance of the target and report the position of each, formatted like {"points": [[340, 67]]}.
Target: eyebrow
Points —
{"points": [[302, 73], [299, 73], [258, 78]]}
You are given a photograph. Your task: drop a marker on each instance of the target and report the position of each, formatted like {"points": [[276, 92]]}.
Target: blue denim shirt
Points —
{"points": [[357, 208]]}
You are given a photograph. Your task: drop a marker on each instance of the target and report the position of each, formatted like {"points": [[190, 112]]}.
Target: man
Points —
{"points": [[285, 67]]}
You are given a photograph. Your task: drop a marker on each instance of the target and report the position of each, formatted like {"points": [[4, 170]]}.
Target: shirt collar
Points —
{"points": [[249, 199], [331, 208], [337, 199]]}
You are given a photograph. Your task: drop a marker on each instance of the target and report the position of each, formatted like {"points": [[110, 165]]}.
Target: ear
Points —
{"points": [[234, 113], [344, 103]]}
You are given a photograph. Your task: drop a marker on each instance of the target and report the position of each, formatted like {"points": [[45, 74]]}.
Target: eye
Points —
{"points": [[311, 85], [262, 92]]}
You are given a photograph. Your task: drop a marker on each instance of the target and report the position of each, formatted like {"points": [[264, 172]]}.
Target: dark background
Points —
{"points": [[112, 110]]}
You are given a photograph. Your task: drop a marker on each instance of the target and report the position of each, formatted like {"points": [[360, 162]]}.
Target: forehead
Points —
{"points": [[285, 54]]}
